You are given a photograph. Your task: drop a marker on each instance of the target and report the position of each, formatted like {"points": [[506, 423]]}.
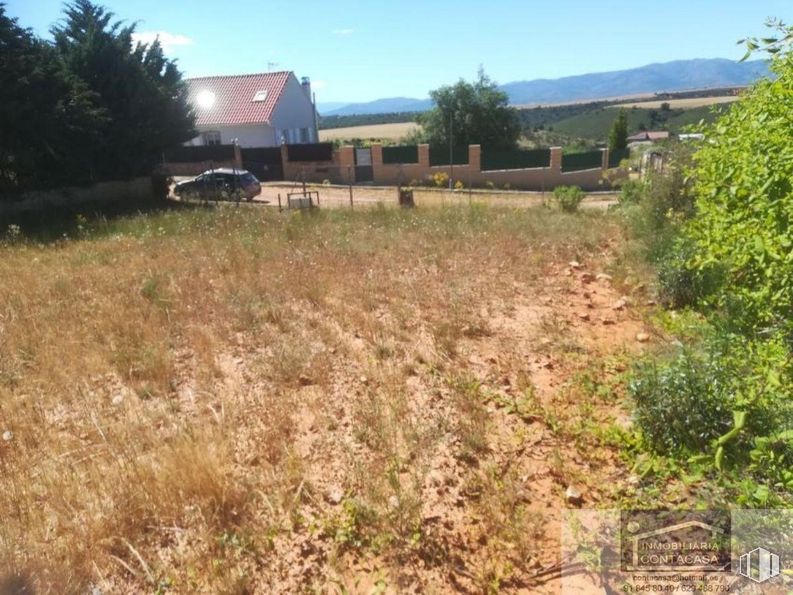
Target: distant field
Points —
{"points": [[384, 131], [597, 123], [687, 103]]}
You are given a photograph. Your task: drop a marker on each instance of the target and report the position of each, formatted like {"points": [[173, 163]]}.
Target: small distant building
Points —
{"points": [[253, 110], [649, 136]]}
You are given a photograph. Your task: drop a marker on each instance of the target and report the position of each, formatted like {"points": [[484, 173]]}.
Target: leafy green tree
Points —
{"points": [[48, 117], [139, 89], [618, 137], [473, 113]]}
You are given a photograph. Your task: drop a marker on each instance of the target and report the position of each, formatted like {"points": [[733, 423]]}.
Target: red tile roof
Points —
{"points": [[231, 97]]}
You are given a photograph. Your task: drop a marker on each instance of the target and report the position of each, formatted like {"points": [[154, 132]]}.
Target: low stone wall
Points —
{"points": [[342, 170], [539, 178], [138, 189]]}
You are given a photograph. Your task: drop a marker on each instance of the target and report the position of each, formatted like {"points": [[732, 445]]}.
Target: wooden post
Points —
{"points": [[279, 202], [349, 179]]}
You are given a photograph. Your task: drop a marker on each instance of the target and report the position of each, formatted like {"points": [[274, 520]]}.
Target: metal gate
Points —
{"points": [[364, 172], [264, 163]]}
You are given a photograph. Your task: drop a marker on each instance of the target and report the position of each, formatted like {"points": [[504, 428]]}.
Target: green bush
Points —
{"points": [[681, 285], [724, 399], [631, 193], [568, 197], [656, 208], [679, 404], [718, 227]]}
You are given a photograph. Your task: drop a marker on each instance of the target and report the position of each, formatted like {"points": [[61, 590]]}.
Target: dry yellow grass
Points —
{"points": [[377, 131], [245, 401], [688, 103]]}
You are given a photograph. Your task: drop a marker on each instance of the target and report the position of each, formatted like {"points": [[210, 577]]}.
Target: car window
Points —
{"points": [[249, 179]]}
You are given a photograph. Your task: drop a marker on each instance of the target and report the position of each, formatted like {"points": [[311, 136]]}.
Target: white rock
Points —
{"points": [[573, 495], [335, 495], [8, 435]]}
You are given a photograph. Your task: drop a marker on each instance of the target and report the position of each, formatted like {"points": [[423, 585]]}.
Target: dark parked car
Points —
{"points": [[220, 184]]}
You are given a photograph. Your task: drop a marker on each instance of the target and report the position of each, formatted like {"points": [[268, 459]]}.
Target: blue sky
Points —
{"points": [[357, 50]]}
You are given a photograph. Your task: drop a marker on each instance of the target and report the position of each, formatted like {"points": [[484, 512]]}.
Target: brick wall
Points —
{"points": [[341, 169], [529, 179]]}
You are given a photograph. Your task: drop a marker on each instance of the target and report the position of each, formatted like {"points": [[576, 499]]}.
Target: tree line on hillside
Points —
{"points": [[90, 105], [331, 122], [565, 125]]}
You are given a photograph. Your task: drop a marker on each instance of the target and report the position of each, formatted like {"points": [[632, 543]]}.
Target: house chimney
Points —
{"points": [[306, 84]]}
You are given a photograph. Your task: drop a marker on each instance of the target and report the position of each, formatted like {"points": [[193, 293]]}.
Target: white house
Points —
{"points": [[253, 110]]}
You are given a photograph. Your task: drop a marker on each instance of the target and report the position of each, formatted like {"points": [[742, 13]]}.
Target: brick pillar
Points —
{"points": [[605, 162], [377, 163], [424, 158], [347, 164], [474, 159], [556, 159]]}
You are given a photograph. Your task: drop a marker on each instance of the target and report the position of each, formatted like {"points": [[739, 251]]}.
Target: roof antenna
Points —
{"points": [[271, 65]]}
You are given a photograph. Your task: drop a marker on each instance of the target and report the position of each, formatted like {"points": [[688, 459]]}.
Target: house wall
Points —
{"points": [[295, 111], [247, 135]]}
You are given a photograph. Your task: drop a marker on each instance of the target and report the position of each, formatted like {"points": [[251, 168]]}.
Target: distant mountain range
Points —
{"points": [[378, 106], [680, 75]]}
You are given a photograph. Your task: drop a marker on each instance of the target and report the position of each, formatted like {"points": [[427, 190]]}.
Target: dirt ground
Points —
{"points": [[248, 401]]}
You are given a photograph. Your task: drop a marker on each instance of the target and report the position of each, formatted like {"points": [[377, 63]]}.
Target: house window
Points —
{"points": [[304, 138], [211, 137], [260, 96]]}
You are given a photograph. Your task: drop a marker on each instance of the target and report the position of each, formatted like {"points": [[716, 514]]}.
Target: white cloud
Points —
{"points": [[168, 41], [317, 85], [343, 32]]}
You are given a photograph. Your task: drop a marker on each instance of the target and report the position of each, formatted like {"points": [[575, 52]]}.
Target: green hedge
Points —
{"points": [[615, 157], [515, 159], [440, 155], [401, 154], [581, 161]]}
